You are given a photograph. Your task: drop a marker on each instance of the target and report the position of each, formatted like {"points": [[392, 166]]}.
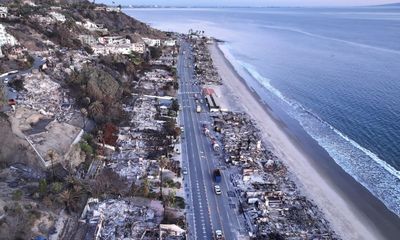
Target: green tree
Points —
{"points": [[52, 155], [171, 198], [155, 52], [86, 148], [175, 105], [17, 195], [163, 164], [56, 187], [145, 188], [71, 199], [42, 187], [171, 129]]}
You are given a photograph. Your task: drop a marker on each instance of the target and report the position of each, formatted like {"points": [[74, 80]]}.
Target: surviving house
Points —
{"points": [[152, 42], [91, 26], [58, 16], [87, 39], [139, 47], [114, 40], [3, 12], [6, 38], [169, 43]]}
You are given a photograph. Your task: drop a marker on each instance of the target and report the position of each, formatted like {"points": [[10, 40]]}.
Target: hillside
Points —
{"points": [[389, 5]]}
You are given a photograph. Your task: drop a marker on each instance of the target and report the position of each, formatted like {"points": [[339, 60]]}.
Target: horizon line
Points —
{"points": [[244, 6]]}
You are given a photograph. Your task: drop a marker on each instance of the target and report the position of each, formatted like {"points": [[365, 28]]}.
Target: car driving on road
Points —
{"points": [[217, 189], [218, 234]]}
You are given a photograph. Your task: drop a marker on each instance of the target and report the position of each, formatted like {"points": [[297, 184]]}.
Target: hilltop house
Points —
{"points": [[169, 43], [28, 2], [139, 47], [6, 38], [112, 49], [91, 26], [114, 40], [3, 12], [87, 39], [152, 42], [113, 9], [100, 8], [58, 16]]}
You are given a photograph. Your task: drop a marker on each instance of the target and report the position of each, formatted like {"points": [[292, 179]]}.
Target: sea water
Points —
{"points": [[335, 70]]}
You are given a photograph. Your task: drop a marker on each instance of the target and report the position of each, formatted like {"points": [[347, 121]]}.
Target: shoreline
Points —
{"points": [[353, 212]]}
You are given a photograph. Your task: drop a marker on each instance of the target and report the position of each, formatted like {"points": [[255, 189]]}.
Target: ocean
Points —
{"points": [[336, 71]]}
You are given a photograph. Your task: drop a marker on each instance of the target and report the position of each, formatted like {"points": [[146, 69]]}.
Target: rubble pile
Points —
{"points": [[158, 75], [167, 58], [144, 115], [129, 161], [46, 96], [242, 142], [204, 67], [270, 201], [120, 219], [130, 168], [71, 61], [158, 82]]}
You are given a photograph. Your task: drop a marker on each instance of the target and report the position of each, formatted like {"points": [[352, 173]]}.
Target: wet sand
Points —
{"points": [[353, 211]]}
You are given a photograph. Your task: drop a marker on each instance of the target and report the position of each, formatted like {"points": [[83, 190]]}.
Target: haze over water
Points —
{"points": [[336, 71]]}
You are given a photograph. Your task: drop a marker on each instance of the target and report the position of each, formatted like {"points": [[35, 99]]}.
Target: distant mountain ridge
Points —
{"points": [[389, 5]]}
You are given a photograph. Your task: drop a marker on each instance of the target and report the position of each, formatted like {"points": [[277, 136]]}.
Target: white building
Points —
{"points": [[91, 26], [113, 9], [3, 12], [100, 8], [114, 40], [6, 38], [28, 2], [43, 19], [110, 49], [152, 42], [58, 16], [139, 47], [87, 39], [55, 8], [169, 43]]}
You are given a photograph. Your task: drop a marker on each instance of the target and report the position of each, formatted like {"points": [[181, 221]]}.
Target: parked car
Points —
{"points": [[217, 189]]}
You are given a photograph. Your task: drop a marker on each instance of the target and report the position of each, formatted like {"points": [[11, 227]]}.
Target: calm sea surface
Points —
{"points": [[335, 71]]}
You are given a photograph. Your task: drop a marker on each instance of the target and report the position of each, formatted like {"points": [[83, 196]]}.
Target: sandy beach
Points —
{"points": [[354, 213]]}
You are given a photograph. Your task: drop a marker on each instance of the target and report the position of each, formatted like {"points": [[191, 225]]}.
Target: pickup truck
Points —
{"points": [[217, 175]]}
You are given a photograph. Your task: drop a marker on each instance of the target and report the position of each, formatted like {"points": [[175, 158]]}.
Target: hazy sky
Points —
{"points": [[251, 2]]}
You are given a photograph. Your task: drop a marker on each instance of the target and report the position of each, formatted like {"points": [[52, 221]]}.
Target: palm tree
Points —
{"points": [[71, 198], [145, 187], [96, 109], [163, 164], [52, 155], [171, 198]]}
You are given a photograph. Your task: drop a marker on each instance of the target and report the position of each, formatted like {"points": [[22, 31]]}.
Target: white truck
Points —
{"points": [[198, 108]]}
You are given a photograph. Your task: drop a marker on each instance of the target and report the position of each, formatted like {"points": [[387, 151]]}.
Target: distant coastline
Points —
{"points": [[394, 5]]}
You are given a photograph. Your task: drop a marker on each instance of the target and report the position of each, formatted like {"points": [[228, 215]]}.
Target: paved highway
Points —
{"points": [[207, 211]]}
